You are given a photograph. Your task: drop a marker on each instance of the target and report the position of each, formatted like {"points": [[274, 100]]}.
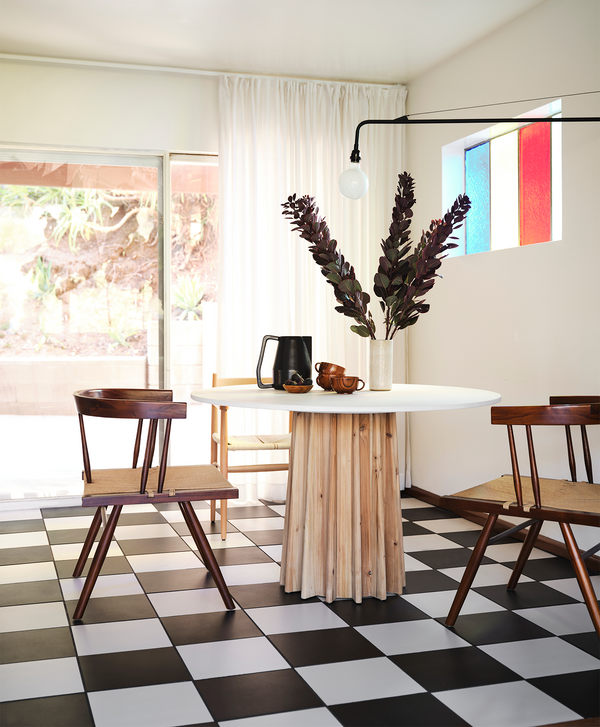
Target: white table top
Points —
{"points": [[402, 397]]}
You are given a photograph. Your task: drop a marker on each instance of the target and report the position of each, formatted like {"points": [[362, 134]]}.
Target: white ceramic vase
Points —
{"points": [[381, 365]]}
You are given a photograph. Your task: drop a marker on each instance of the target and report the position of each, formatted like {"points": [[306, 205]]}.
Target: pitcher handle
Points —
{"points": [[260, 360]]}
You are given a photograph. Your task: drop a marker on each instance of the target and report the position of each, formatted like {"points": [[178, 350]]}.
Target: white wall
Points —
{"points": [[107, 108], [523, 322]]}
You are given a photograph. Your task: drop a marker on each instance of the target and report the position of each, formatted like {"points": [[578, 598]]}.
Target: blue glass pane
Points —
{"points": [[477, 188]]}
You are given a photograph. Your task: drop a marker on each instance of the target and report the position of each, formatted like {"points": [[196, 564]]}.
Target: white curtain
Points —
{"points": [[279, 137]]}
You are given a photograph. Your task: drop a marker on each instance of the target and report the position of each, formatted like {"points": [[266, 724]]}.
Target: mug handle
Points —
{"points": [[318, 364], [363, 385], [260, 360]]}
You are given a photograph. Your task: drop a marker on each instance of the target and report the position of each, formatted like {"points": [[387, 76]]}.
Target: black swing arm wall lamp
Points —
{"points": [[353, 183]]}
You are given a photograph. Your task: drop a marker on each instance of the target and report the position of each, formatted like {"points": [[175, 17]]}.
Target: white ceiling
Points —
{"points": [[385, 41]]}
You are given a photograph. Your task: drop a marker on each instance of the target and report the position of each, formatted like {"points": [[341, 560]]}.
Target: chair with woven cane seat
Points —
{"points": [[587, 461], [222, 443], [146, 484], [562, 501]]}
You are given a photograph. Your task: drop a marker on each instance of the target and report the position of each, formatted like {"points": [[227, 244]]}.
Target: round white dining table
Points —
{"points": [[343, 521]]}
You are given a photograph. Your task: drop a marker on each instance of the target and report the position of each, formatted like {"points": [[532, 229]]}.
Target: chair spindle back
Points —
{"points": [[140, 404], [567, 415], [587, 457]]}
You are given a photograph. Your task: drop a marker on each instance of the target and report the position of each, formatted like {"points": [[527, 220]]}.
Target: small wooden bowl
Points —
{"points": [[297, 388]]}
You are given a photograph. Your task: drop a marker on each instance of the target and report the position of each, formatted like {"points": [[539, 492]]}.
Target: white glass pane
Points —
{"points": [[504, 192], [194, 268]]}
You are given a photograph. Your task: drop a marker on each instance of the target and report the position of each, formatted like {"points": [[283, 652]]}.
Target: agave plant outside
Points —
{"points": [[403, 277]]}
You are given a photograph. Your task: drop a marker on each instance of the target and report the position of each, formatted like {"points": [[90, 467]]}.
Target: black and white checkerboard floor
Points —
{"points": [[158, 649]]}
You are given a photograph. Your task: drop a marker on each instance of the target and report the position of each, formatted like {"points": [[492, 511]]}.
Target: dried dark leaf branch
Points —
{"points": [[402, 279], [340, 274]]}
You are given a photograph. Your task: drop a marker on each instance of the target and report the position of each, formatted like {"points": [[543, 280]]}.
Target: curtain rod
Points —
{"points": [[172, 69]]}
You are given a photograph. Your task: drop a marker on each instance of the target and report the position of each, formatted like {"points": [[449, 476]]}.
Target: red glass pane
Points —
{"points": [[535, 184]]}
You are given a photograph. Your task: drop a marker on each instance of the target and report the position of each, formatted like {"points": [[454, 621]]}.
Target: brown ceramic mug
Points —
{"points": [[329, 368], [326, 371], [346, 384]]}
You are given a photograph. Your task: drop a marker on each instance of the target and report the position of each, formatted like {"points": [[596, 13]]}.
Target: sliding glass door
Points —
{"points": [[81, 302]]}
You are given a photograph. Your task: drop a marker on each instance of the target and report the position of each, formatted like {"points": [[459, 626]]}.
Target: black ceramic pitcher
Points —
{"points": [[293, 356]]}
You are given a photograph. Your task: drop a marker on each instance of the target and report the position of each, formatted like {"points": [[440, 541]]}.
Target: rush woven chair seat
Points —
{"points": [[563, 501], [146, 484], [223, 442]]}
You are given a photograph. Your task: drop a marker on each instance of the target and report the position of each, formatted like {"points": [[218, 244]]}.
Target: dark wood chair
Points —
{"points": [[568, 503], [587, 460], [145, 484]]}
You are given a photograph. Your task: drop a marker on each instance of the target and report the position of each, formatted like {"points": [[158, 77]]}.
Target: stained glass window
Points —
{"points": [[477, 188], [504, 163], [535, 188], [511, 182]]}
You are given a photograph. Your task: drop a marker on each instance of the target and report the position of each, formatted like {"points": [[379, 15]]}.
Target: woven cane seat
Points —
{"points": [[188, 478], [555, 494], [255, 442]]}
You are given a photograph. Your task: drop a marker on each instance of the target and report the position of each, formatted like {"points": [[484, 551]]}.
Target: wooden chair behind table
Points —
{"points": [[562, 501], [223, 442], [146, 484]]}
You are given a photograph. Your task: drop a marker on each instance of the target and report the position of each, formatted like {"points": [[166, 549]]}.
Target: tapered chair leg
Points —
{"points": [[582, 575], [471, 570], [97, 562], [89, 541], [206, 553], [527, 547], [223, 519]]}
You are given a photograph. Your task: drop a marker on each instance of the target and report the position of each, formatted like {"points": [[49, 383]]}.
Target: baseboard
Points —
{"points": [[424, 495], [543, 543]]}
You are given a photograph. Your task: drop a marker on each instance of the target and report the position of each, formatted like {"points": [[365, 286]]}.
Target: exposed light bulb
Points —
{"points": [[353, 183]]}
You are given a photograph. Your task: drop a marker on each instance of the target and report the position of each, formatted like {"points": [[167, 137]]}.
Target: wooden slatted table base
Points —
{"points": [[343, 524]]}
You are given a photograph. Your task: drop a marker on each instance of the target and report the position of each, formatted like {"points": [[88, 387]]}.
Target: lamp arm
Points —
{"points": [[355, 156]]}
